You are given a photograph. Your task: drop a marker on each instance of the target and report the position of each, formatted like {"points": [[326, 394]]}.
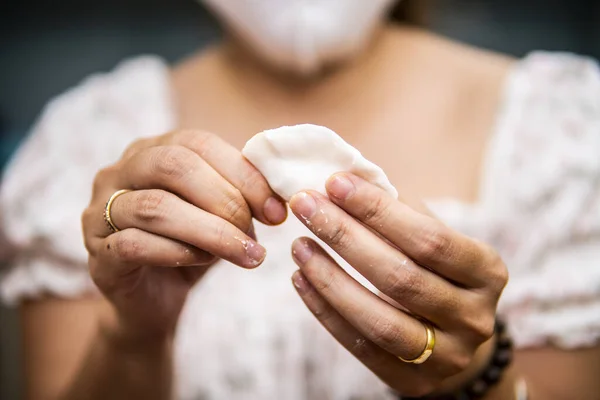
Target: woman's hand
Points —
{"points": [[191, 202], [431, 271]]}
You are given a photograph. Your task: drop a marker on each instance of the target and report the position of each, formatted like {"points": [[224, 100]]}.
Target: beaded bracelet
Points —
{"points": [[489, 377]]}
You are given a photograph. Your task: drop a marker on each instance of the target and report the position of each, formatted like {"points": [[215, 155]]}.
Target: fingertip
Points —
{"points": [[275, 211], [302, 250], [255, 253], [300, 282], [340, 186], [304, 205]]}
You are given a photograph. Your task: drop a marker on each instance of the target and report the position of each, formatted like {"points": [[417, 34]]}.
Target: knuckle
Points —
{"points": [[87, 242], [376, 211], [462, 361], [150, 206], [93, 269], [339, 236], [137, 144], [127, 248], [236, 210], [101, 179], [89, 247], [434, 242], [173, 162], [252, 180], [481, 327], [195, 139], [86, 219], [385, 333], [499, 280], [134, 148], [402, 282], [499, 274], [456, 363]]}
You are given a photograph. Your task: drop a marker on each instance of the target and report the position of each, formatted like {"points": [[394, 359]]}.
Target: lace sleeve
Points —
{"points": [[47, 184], [544, 195]]}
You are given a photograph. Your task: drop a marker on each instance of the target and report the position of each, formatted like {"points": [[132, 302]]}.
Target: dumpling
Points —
{"points": [[301, 157]]}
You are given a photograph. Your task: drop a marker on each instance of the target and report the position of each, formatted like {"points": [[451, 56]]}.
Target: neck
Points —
{"points": [[328, 87]]}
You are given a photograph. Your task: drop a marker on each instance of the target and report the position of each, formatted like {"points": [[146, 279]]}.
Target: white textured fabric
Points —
{"points": [[310, 154], [47, 184], [247, 335], [540, 200]]}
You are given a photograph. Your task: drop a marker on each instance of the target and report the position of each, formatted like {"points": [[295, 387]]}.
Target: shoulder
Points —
{"points": [[90, 124], [543, 154], [548, 125], [560, 91], [540, 199], [541, 194], [558, 70], [142, 73], [48, 182], [136, 90]]}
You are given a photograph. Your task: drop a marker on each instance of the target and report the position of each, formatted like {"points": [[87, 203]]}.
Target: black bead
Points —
{"points": [[493, 374], [500, 326], [503, 341], [503, 357], [463, 396], [478, 388]]}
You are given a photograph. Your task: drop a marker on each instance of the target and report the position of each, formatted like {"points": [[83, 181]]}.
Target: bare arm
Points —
{"points": [[72, 352], [550, 374], [555, 374]]}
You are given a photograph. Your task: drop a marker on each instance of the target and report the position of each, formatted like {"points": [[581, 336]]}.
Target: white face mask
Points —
{"points": [[303, 35]]}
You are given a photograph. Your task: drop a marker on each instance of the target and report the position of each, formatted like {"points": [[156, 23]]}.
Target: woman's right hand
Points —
{"points": [[192, 200]]}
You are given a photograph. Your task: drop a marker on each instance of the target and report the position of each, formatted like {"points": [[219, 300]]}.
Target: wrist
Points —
{"points": [[117, 331]]}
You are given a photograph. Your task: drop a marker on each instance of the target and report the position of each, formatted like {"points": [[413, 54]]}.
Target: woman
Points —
{"points": [[505, 150]]}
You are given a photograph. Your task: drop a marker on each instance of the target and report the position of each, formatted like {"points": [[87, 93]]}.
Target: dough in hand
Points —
{"points": [[301, 157]]}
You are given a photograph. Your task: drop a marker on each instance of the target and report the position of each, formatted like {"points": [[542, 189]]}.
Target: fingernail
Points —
{"points": [[304, 205], [274, 210], [300, 282], [340, 187], [255, 252], [302, 251]]}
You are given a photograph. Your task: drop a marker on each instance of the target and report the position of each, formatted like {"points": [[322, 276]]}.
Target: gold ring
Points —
{"points": [[108, 207], [429, 345]]}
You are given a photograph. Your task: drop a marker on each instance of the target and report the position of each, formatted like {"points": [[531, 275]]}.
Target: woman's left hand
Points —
{"points": [[431, 271]]}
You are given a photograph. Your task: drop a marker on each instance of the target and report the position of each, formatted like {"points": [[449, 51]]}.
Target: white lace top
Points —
{"points": [[247, 335]]}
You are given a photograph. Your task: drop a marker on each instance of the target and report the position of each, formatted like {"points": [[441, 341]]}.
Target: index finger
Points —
{"points": [[422, 237], [228, 161]]}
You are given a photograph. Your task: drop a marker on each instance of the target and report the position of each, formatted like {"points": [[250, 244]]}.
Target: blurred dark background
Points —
{"points": [[48, 46]]}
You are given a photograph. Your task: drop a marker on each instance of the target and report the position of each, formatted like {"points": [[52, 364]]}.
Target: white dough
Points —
{"points": [[301, 157]]}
